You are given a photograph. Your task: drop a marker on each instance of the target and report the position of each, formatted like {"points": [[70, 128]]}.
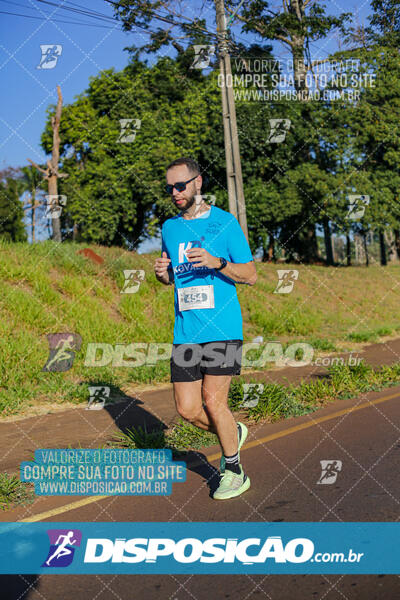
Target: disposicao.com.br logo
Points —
{"points": [[62, 547], [212, 550]]}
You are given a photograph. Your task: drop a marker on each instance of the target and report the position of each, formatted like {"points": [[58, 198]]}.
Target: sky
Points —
{"points": [[87, 48]]}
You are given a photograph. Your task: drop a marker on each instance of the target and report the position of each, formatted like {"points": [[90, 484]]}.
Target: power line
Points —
{"points": [[165, 19], [97, 15], [80, 11], [93, 11], [4, 12]]}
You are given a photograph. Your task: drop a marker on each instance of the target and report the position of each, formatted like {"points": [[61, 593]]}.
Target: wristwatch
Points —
{"points": [[223, 263]]}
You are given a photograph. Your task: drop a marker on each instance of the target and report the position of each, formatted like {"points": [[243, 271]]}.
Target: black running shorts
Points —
{"points": [[190, 362]]}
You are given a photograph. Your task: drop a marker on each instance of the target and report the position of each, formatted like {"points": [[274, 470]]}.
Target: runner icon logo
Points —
{"points": [[50, 55], [330, 470], [99, 396], [287, 277], [129, 128], [202, 56], [357, 204], [251, 394], [62, 349], [62, 547], [133, 279]]}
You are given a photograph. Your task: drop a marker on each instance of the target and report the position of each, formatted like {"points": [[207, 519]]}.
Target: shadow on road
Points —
{"points": [[18, 587], [128, 413]]}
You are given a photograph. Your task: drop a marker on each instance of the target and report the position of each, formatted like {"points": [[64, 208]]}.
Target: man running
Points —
{"points": [[205, 252]]}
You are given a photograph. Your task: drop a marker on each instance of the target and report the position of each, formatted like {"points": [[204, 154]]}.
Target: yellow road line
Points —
{"points": [[273, 436], [290, 430]]}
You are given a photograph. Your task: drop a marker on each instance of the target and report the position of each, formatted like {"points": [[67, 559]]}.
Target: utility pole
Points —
{"points": [[237, 205], [52, 173]]}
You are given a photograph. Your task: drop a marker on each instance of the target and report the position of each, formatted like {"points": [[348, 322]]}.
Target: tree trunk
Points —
{"points": [[397, 241], [364, 236], [348, 250], [390, 242], [53, 166], [328, 242], [55, 221], [271, 248], [299, 67], [33, 200], [51, 173], [382, 249], [310, 249], [295, 9]]}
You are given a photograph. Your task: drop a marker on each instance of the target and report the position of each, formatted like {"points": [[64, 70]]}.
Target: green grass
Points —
{"points": [[14, 492], [184, 436], [50, 288], [139, 437], [181, 437], [325, 345], [363, 336]]}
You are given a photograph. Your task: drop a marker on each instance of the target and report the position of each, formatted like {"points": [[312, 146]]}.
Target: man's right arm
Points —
{"points": [[163, 269], [167, 278]]}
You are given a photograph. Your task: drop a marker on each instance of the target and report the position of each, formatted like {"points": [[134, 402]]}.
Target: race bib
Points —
{"points": [[199, 296]]}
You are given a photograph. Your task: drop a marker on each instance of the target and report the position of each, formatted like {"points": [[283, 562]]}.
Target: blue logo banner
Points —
{"points": [[150, 548]]}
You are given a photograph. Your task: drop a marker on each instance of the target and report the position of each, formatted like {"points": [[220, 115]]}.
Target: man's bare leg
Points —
{"points": [[215, 416], [215, 397], [189, 404]]}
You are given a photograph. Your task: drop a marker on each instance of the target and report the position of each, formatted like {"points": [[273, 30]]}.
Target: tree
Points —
{"points": [[31, 181], [11, 211], [296, 25], [115, 188], [384, 26]]}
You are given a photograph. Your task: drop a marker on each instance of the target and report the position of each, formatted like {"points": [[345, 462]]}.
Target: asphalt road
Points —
{"points": [[283, 462]]}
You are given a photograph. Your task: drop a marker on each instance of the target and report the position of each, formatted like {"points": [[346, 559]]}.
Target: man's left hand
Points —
{"points": [[202, 258]]}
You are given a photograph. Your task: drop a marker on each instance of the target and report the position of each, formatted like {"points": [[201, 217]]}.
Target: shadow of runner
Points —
{"points": [[130, 416], [131, 412], [18, 587], [128, 413], [198, 463]]}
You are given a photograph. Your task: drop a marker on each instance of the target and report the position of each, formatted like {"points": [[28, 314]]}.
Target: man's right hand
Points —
{"points": [[161, 268]]}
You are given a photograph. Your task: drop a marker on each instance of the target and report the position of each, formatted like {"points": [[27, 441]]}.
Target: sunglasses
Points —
{"points": [[180, 186]]}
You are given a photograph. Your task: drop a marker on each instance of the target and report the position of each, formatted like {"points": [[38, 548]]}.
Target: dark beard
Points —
{"points": [[189, 205]]}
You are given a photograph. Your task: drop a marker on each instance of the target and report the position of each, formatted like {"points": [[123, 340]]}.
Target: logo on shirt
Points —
{"points": [[185, 265], [183, 250], [214, 228]]}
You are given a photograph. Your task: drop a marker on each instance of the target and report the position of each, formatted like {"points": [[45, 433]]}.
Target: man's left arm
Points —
{"points": [[238, 272]]}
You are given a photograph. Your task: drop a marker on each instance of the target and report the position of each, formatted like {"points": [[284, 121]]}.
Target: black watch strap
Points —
{"points": [[223, 263]]}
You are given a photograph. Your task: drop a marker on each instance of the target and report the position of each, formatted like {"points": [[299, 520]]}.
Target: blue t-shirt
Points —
{"points": [[207, 308]]}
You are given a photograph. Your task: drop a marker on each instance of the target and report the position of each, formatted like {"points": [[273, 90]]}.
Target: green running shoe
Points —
{"points": [[231, 485], [242, 435]]}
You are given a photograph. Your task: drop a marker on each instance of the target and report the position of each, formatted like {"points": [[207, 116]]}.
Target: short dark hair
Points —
{"points": [[191, 164]]}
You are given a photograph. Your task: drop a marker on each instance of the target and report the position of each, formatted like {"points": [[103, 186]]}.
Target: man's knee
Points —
{"points": [[188, 412], [214, 403], [188, 399]]}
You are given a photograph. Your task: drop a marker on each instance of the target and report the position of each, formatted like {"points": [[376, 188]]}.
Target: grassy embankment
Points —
{"points": [[49, 288]]}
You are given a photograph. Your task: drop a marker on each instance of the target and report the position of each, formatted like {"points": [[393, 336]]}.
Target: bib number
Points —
{"points": [[199, 296]]}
